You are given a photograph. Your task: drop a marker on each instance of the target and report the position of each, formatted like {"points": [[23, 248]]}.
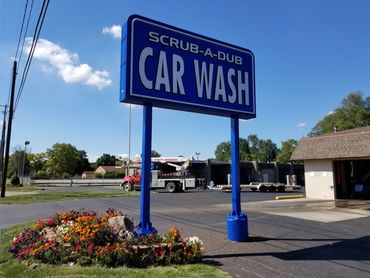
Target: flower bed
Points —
{"points": [[110, 240]]}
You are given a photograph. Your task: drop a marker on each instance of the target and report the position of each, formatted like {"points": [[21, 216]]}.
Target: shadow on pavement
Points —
{"points": [[345, 249]]}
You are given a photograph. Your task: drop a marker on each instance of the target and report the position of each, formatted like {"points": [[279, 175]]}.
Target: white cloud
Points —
{"points": [[66, 64], [330, 112], [92, 157], [301, 124], [114, 31]]}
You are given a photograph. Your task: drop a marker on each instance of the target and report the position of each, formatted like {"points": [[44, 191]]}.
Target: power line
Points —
{"points": [[36, 35], [25, 32], [21, 31]]}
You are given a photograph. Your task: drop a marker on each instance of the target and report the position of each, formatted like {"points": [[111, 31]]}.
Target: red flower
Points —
{"points": [[90, 246], [78, 248], [161, 252], [51, 222]]}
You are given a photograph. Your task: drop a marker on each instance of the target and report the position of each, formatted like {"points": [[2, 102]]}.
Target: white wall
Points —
{"points": [[319, 179]]}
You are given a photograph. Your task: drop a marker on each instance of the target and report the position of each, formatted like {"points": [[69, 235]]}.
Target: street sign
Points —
{"points": [[177, 69]]}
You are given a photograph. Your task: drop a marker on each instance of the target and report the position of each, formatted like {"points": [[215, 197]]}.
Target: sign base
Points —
{"points": [[237, 227], [143, 231]]}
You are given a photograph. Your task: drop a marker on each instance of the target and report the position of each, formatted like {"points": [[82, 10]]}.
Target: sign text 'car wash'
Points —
{"points": [[177, 69]]}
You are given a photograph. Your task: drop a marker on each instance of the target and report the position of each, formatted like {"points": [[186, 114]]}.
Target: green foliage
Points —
{"points": [[17, 160], [251, 149], [65, 160], [83, 163], [106, 160], [14, 164], [286, 151], [15, 180], [57, 196], [37, 162], [223, 150], [353, 112], [267, 151], [99, 175], [244, 150], [253, 143], [110, 175], [154, 153]]}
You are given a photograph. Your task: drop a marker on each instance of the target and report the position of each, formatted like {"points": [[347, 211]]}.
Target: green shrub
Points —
{"points": [[110, 175], [98, 176], [15, 181]]}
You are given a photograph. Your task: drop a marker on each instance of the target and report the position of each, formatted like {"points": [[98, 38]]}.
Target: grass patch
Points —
{"points": [[24, 189], [57, 196], [10, 267]]}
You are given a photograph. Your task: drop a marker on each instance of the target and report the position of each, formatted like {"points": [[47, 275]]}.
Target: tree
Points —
{"points": [[353, 112], [106, 160], [155, 154], [223, 150], [267, 150], [83, 163], [37, 162], [253, 143], [17, 160], [62, 160], [286, 151]]}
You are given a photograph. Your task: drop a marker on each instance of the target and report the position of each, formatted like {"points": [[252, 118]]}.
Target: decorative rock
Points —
{"points": [[121, 224]]}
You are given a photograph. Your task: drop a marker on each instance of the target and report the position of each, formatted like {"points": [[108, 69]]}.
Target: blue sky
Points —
{"points": [[309, 56]]}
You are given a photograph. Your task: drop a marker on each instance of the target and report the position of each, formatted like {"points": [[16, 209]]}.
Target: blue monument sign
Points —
{"points": [[168, 67], [173, 68]]}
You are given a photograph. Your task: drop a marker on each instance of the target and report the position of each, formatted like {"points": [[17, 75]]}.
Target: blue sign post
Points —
{"points": [[237, 222], [168, 67], [146, 225]]}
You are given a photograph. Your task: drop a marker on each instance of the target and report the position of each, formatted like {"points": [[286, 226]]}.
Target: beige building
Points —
{"points": [[108, 169], [337, 165]]}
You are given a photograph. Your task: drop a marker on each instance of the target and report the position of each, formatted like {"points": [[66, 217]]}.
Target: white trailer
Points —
{"points": [[260, 186], [271, 186]]}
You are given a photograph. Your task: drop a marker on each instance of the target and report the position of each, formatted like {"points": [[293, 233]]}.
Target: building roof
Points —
{"points": [[110, 168], [352, 143]]}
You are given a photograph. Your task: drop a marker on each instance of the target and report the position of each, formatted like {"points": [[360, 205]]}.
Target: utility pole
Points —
{"points": [[3, 143], [9, 131]]}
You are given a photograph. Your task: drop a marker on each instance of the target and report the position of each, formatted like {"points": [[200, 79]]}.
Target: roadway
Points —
{"points": [[288, 238]]}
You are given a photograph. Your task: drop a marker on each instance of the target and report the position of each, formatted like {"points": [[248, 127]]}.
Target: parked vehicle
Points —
{"points": [[176, 181], [271, 186], [260, 186]]}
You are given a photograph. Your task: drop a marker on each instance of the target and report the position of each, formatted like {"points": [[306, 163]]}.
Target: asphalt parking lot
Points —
{"points": [[287, 238]]}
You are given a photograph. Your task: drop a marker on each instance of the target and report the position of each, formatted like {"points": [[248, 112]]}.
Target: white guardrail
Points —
{"points": [[75, 182]]}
